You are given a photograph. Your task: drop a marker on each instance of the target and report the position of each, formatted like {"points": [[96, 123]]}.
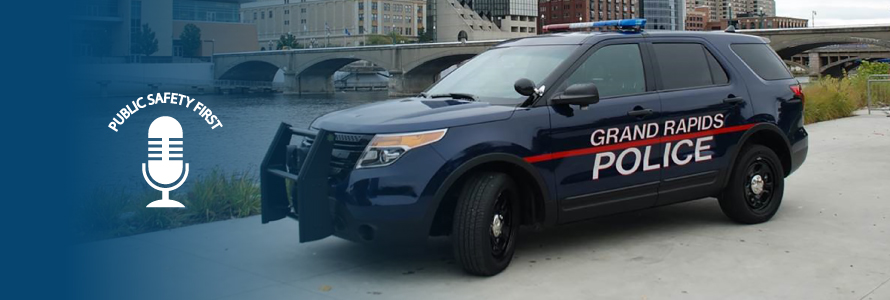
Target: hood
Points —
{"points": [[411, 114]]}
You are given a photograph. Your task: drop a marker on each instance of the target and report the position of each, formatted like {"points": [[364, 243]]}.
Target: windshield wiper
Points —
{"points": [[453, 96]]}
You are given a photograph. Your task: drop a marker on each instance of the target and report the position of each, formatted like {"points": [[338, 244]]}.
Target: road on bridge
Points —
{"points": [[830, 240]]}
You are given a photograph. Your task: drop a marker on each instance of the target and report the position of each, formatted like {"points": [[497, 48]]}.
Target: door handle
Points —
{"points": [[640, 112], [734, 100]]}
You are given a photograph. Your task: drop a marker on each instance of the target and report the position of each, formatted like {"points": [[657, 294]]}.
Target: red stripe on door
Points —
{"points": [[646, 142]]}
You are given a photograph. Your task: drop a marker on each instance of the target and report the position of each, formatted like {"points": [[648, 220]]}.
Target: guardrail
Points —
{"points": [[878, 96]]}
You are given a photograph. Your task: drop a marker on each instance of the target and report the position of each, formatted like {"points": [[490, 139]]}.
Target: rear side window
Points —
{"points": [[687, 65], [763, 60]]}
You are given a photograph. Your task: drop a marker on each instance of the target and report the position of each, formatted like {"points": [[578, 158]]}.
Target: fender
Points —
{"points": [[745, 137], [453, 177]]}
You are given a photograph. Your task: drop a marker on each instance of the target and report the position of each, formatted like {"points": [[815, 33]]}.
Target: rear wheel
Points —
{"points": [[486, 223], [756, 186]]}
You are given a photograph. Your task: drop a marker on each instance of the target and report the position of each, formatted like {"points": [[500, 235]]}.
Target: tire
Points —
{"points": [[740, 200], [477, 248]]}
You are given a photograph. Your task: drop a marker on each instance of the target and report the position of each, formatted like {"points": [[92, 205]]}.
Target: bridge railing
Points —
{"points": [[878, 88], [160, 81]]}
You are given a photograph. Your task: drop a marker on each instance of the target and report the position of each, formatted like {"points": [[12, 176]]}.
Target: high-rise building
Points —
{"points": [[106, 28], [601, 10], [560, 11], [697, 19], [767, 7], [664, 14], [571, 11], [502, 8], [711, 6], [319, 23], [723, 10]]}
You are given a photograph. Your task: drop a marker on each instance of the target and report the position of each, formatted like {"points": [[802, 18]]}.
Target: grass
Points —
{"points": [[830, 98], [213, 197]]}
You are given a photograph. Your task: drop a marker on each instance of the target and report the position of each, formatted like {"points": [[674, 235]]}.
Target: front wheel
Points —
{"points": [[756, 186], [486, 223]]}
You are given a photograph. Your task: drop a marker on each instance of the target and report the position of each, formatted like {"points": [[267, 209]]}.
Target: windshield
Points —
{"points": [[490, 75]]}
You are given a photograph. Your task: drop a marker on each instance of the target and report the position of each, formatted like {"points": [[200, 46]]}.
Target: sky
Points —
{"points": [[837, 12]]}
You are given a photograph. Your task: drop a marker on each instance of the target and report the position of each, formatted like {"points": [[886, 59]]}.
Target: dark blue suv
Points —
{"points": [[548, 130]]}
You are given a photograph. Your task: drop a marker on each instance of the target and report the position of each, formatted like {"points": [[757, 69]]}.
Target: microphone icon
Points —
{"points": [[164, 133]]}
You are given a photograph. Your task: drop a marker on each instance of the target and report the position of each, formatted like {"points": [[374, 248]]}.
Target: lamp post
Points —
{"points": [[212, 48], [814, 18], [540, 30], [761, 16]]}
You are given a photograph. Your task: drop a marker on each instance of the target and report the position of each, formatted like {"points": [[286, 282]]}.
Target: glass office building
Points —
{"points": [[207, 11], [501, 8], [663, 14]]}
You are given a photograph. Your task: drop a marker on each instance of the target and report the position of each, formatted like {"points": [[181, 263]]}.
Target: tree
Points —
{"points": [[190, 39], [392, 38], [288, 41], [144, 41], [424, 36]]}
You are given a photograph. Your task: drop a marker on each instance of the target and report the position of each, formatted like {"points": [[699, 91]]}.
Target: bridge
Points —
{"points": [[835, 60], [794, 41], [413, 67]]}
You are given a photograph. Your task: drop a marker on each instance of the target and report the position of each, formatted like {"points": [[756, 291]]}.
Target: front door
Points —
{"points": [[603, 154]]}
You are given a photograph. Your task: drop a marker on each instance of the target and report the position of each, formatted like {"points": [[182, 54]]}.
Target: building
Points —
{"points": [[571, 11], [726, 9], [720, 12], [104, 28], [320, 23], [503, 8], [559, 11], [601, 10], [663, 14], [697, 19], [457, 21], [711, 6], [767, 7]]}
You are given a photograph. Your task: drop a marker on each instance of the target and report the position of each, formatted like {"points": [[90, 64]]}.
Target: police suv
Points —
{"points": [[548, 130]]}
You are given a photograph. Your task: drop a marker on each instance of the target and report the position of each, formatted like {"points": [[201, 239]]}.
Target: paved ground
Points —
{"points": [[830, 240]]}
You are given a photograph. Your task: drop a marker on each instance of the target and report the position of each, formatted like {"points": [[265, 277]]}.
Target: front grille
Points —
{"points": [[346, 152]]}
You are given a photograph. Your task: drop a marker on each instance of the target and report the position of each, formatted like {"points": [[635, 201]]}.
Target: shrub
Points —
{"points": [[216, 196], [830, 98]]}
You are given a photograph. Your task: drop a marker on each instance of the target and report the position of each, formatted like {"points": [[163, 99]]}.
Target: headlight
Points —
{"points": [[385, 149]]}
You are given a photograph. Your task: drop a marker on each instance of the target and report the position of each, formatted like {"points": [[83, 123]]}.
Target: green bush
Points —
{"points": [[830, 98], [216, 196]]}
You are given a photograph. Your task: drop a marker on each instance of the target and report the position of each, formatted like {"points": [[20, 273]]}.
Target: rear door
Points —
{"points": [[603, 153], [704, 113]]}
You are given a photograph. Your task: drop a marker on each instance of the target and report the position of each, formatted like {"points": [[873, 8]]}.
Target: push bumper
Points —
{"points": [[386, 206], [310, 198]]}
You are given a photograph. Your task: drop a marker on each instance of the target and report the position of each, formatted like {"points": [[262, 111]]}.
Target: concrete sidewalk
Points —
{"points": [[830, 240]]}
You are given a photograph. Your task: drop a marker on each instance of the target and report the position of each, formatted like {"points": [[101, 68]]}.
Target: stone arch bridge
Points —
{"points": [[794, 41], [413, 67]]}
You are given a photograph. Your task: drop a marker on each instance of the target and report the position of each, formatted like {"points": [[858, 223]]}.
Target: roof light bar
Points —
{"points": [[631, 25]]}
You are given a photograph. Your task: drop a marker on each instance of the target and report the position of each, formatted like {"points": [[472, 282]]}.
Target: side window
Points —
{"points": [[616, 70], [718, 74], [763, 60], [687, 65]]}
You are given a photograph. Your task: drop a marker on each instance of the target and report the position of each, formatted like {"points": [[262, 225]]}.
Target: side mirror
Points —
{"points": [[524, 87], [583, 94]]}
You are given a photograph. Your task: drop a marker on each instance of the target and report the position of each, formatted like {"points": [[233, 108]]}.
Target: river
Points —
{"points": [[249, 124]]}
